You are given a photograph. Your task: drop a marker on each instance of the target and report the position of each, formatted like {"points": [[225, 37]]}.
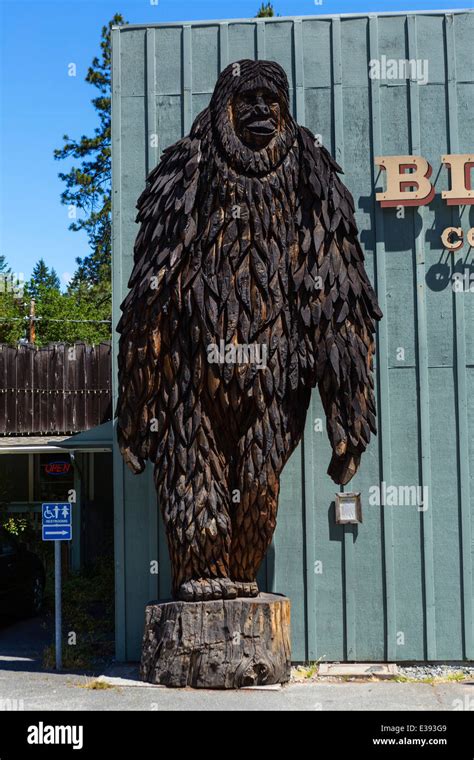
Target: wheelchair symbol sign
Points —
{"points": [[57, 522]]}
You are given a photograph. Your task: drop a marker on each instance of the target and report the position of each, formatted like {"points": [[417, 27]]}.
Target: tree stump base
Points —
{"points": [[224, 644]]}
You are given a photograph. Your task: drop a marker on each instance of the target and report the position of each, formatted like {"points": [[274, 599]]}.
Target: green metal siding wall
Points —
{"points": [[398, 587]]}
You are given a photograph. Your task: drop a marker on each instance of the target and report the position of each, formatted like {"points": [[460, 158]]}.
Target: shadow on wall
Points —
{"points": [[266, 574], [398, 233]]}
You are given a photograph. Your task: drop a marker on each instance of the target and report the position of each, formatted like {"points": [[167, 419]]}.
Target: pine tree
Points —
{"points": [[266, 11], [42, 280], [83, 314], [4, 268], [88, 187], [12, 307]]}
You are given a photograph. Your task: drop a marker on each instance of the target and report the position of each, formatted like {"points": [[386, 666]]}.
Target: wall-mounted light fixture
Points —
{"points": [[348, 509]]}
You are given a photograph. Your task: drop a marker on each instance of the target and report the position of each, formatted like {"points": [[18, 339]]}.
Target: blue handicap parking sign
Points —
{"points": [[57, 521]]}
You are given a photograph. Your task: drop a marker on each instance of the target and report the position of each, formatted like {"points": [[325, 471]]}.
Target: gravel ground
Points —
{"points": [[419, 672]]}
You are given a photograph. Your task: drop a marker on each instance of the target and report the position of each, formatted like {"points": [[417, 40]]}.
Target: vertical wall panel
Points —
{"points": [[447, 563], [288, 549], [362, 545], [169, 60], [399, 586], [153, 152], [460, 371], [242, 41], [205, 58], [384, 447], [187, 79], [118, 290], [422, 362], [152, 144], [317, 57]]}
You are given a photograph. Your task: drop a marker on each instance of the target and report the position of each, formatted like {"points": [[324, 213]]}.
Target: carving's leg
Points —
{"points": [[192, 486], [262, 454], [254, 517]]}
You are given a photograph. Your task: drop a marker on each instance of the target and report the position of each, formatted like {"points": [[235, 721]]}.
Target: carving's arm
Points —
{"points": [[167, 214], [344, 308]]}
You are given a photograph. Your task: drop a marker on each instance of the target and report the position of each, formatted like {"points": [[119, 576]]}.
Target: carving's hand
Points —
{"points": [[342, 468], [135, 464]]}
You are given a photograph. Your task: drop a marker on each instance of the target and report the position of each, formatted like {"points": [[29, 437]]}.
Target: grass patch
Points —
{"points": [[97, 685], [449, 677], [456, 677], [312, 669], [308, 670]]}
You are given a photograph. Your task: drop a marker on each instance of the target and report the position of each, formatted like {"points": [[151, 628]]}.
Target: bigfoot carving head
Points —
{"points": [[256, 117], [251, 116]]}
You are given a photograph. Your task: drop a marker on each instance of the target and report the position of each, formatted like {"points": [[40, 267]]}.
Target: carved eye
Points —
{"points": [[249, 98], [270, 100]]}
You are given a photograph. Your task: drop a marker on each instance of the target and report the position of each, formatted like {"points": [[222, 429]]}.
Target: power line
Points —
{"points": [[54, 319]]}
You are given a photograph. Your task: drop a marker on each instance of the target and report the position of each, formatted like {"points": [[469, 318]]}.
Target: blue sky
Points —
{"points": [[39, 102]]}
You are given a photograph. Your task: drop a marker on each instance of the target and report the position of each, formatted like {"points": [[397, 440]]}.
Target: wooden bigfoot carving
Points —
{"points": [[248, 290]]}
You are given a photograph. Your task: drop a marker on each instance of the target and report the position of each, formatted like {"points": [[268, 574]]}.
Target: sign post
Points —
{"points": [[57, 527], [58, 624]]}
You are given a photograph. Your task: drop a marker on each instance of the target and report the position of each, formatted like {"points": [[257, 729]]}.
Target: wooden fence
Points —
{"points": [[58, 388]]}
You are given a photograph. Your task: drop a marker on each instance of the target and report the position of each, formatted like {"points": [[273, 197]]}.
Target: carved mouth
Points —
{"points": [[261, 127]]}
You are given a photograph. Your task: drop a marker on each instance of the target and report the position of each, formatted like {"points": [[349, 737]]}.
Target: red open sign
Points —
{"points": [[57, 468]]}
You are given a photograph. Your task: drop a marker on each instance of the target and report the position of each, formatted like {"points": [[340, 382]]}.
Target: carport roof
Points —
{"points": [[97, 439], [31, 444]]}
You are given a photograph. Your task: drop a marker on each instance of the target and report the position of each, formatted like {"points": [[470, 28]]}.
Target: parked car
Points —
{"points": [[22, 578]]}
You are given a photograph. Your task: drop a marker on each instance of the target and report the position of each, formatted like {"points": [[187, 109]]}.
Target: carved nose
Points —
{"points": [[262, 107]]}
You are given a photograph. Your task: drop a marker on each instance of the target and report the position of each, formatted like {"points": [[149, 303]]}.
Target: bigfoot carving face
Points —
{"points": [[256, 115], [251, 116]]}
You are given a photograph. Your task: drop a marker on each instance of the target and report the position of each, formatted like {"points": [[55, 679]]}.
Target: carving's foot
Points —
{"points": [[246, 588], [203, 589]]}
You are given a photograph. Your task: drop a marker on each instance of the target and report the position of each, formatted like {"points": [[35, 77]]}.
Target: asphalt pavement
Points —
{"points": [[22, 641], [50, 691], [24, 685]]}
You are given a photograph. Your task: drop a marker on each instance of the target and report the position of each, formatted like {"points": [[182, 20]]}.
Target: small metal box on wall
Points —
{"points": [[399, 587]]}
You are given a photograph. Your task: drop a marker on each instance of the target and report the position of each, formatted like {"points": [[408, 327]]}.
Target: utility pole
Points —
{"points": [[32, 323]]}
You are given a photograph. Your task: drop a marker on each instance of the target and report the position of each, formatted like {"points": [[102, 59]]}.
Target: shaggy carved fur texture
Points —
{"points": [[247, 238]]}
